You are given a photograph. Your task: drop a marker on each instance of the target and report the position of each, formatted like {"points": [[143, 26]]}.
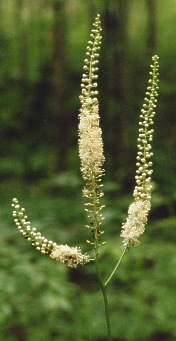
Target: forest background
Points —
{"points": [[42, 48]]}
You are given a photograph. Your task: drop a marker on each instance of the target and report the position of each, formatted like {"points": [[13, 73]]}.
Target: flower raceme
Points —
{"points": [[90, 137], [71, 256], [138, 211]]}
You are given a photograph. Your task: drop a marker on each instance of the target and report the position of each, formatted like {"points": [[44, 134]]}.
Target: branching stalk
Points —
{"points": [[117, 265]]}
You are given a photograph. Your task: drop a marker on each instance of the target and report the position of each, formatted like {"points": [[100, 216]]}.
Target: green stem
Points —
{"points": [[117, 265], [106, 304]]}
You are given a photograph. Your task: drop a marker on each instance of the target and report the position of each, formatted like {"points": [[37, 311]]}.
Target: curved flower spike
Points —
{"points": [[71, 256], [138, 211]]}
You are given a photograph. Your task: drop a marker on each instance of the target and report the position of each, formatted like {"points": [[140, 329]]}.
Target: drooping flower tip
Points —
{"points": [[71, 256], [23, 225]]}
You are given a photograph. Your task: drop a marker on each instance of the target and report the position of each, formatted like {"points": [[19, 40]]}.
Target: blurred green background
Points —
{"points": [[42, 48]]}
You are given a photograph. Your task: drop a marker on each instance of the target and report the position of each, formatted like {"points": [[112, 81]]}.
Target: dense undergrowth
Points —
{"points": [[33, 285]]}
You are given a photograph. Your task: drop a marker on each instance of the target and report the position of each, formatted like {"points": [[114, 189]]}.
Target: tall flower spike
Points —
{"points": [[90, 135], [139, 210], [71, 256], [144, 165]]}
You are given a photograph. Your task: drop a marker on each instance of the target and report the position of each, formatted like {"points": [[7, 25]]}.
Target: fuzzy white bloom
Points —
{"points": [[90, 141], [134, 226], [71, 256]]}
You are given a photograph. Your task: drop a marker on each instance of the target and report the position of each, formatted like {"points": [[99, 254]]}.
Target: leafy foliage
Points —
{"points": [[39, 298]]}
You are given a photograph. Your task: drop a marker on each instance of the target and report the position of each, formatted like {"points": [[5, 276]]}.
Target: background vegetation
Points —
{"points": [[42, 47]]}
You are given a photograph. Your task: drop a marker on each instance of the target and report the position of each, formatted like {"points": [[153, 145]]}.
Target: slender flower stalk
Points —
{"points": [[91, 152], [71, 256], [117, 265], [90, 137], [138, 211]]}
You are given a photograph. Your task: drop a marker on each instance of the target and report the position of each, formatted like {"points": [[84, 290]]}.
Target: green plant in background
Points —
{"points": [[92, 159]]}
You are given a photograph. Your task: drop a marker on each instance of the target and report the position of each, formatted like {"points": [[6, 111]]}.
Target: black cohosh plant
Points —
{"points": [[92, 160]]}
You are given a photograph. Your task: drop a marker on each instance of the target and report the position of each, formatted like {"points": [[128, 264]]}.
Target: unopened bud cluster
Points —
{"points": [[90, 135], [71, 256], [144, 165], [90, 76], [42, 244]]}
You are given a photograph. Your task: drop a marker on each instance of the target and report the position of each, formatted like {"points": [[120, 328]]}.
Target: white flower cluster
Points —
{"points": [[71, 256], [135, 223], [90, 141]]}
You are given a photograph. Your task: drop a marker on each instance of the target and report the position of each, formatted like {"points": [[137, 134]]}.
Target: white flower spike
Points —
{"points": [[90, 137], [139, 210]]}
